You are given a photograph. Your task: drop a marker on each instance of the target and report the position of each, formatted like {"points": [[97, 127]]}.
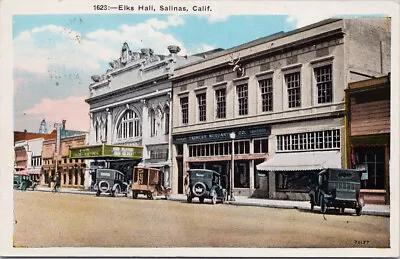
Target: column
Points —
{"points": [[92, 133], [174, 172], [145, 129], [251, 165], [109, 125]]}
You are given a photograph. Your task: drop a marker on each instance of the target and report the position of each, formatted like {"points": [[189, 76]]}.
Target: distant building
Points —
{"points": [[280, 99], [368, 135], [43, 127]]}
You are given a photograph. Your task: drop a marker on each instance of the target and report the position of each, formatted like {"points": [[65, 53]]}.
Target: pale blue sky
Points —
{"points": [[55, 55]]}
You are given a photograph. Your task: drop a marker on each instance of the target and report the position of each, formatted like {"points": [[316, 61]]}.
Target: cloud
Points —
{"points": [[215, 17], [59, 109], [303, 19]]}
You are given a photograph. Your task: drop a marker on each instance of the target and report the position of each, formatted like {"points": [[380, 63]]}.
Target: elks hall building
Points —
{"points": [[130, 104], [281, 100]]}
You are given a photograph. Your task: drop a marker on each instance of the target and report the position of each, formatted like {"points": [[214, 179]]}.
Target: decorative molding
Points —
{"points": [[239, 80], [323, 59], [264, 73], [200, 89], [294, 66], [224, 83]]}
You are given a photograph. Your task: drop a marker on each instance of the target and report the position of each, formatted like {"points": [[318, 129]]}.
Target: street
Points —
{"points": [[46, 219]]}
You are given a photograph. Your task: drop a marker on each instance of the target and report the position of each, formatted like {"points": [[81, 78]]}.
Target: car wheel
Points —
{"points": [[201, 200], [312, 203], [98, 193], [358, 211], [201, 186], [341, 210], [134, 195], [223, 200], [116, 192], [189, 199], [323, 206], [167, 196], [214, 199], [154, 195]]}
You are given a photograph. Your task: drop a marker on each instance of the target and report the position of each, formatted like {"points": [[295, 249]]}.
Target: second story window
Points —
{"points": [[323, 76], [220, 96], [242, 94], [166, 120], [129, 126], [201, 101], [185, 110], [152, 123], [293, 87], [266, 94]]}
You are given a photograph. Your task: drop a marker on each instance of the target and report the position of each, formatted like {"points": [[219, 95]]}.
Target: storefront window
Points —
{"points": [[242, 171], [373, 160], [288, 181]]}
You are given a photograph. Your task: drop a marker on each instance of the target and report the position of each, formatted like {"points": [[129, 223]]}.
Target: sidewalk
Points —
{"points": [[368, 209]]}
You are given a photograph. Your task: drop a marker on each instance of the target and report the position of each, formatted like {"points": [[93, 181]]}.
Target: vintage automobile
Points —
{"points": [[150, 182], [111, 181], [22, 182], [206, 184], [337, 188]]}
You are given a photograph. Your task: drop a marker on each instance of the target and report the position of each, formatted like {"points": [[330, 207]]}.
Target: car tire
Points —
{"points": [[203, 186], [341, 210], [358, 211], [323, 206], [224, 198], [154, 195], [189, 199], [312, 203], [214, 199], [98, 193], [134, 195], [116, 191], [167, 196], [201, 200]]}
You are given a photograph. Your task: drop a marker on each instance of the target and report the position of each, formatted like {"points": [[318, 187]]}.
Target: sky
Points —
{"points": [[55, 55]]}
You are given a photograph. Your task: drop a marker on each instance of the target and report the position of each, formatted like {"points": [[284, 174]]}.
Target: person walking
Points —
{"points": [[57, 182]]}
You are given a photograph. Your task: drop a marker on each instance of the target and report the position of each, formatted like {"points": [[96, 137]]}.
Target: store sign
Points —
{"points": [[240, 133], [106, 151]]}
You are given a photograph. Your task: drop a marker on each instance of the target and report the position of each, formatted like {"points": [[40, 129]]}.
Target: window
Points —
{"points": [[129, 127], [266, 94], [201, 101], [319, 140], [220, 96], [166, 120], [242, 99], [323, 76], [159, 154], [152, 122], [293, 88], [185, 109]]}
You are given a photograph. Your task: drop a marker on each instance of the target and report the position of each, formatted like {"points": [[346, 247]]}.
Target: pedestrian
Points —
{"points": [[57, 182], [186, 183]]}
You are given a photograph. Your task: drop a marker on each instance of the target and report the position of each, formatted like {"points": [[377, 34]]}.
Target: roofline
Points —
{"points": [[261, 40]]}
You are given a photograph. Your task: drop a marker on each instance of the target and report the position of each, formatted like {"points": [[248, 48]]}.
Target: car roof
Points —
{"points": [[204, 170]]}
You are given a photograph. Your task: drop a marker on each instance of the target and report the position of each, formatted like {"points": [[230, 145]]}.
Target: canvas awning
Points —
{"points": [[28, 171], [301, 161]]}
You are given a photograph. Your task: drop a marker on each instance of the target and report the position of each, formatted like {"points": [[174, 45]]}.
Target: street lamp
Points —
{"points": [[232, 136]]}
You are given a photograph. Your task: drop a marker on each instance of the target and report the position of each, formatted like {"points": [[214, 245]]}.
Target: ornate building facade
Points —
{"points": [[130, 104], [279, 100]]}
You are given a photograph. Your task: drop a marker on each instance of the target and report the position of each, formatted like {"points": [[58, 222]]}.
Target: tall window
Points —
{"points": [[317, 140], [293, 88], [323, 76], [266, 94], [220, 96], [185, 110], [166, 120], [129, 127], [242, 99], [201, 101], [152, 122]]}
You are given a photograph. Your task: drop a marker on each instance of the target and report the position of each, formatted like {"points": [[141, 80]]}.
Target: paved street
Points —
{"points": [[47, 220]]}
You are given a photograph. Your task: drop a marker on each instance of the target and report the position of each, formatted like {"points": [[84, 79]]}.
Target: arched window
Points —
{"points": [[166, 120], [129, 127], [152, 122]]}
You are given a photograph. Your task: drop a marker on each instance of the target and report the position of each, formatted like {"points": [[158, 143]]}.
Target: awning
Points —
{"points": [[28, 171], [301, 161]]}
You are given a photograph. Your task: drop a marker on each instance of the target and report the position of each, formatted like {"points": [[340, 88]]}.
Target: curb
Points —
{"points": [[236, 203]]}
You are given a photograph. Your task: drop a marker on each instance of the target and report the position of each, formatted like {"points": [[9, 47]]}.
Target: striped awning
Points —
{"points": [[302, 161], [28, 171]]}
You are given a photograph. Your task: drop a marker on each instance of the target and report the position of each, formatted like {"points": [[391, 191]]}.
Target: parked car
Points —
{"points": [[338, 188], [111, 181], [22, 182], [150, 182], [206, 184]]}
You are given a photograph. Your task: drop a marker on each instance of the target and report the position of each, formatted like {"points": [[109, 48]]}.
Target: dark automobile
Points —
{"points": [[206, 184], [111, 181], [22, 182], [150, 182], [337, 188]]}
